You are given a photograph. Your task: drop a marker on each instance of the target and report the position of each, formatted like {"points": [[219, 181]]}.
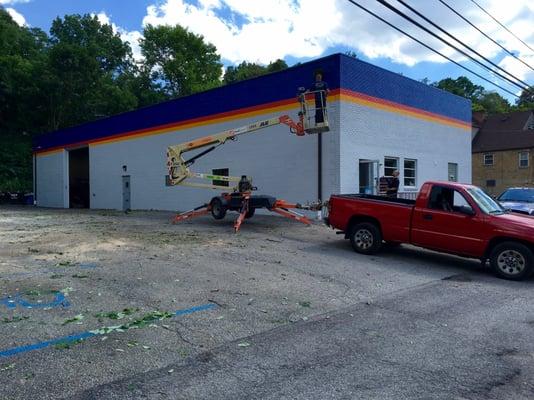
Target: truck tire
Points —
{"points": [[250, 213], [218, 210], [512, 260], [365, 238]]}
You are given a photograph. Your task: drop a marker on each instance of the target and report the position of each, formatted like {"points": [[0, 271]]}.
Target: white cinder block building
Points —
{"points": [[380, 121]]}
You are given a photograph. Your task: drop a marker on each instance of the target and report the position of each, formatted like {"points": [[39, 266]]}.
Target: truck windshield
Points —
{"points": [[485, 202]]}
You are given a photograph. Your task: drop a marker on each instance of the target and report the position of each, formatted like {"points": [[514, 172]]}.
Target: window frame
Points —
{"points": [[455, 172], [414, 169], [492, 159], [527, 152], [397, 160]]}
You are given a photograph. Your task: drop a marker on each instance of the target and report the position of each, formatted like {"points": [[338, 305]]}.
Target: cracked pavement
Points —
{"points": [[299, 315]]}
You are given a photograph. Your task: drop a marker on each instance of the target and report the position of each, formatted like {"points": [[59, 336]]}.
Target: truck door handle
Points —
{"points": [[427, 217]]}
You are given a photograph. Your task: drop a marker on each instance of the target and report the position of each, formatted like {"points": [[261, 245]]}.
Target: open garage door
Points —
{"points": [[79, 178]]}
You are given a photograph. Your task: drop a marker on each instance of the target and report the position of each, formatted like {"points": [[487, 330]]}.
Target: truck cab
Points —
{"points": [[448, 217]]}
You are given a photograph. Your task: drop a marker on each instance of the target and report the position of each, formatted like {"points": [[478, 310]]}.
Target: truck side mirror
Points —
{"points": [[467, 210]]}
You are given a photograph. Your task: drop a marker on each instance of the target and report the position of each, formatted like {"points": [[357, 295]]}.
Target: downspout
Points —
{"points": [[320, 166]]}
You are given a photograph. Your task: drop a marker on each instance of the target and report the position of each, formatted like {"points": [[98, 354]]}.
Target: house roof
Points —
{"points": [[345, 75], [478, 118], [505, 132], [514, 121]]}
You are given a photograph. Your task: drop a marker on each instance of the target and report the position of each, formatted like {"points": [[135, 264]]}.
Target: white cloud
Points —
{"points": [[132, 37], [272, 29], [17, 17], [9, 2]]}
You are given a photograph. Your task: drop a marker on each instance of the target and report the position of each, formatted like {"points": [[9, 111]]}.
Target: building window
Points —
{"points": [[452, 172], [410, 172], [391, 164], [488, 159], [524, 157]]}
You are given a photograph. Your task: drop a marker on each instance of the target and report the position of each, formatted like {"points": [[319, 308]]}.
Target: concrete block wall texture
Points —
{"points": [[280, 163], [373, 134], [505, 171], [373, 113]]}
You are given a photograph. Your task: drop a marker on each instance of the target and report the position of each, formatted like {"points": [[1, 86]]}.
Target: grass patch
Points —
{"points": [[76, 318], [115, 315], [146, 320], [67, 344], [14, 318]]}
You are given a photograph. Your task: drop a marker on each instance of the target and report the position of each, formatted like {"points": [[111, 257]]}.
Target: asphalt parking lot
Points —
{"points": [[107, 305]]}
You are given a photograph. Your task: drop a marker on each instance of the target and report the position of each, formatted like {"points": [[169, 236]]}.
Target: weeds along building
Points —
{"points": [[380, 121]]}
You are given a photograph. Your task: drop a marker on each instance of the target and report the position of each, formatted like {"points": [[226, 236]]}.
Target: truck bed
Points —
{"points": [[356, 196], [393, 215]]}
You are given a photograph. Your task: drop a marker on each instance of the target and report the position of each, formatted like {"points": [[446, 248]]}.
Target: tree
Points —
{"points": [[22, 57], [21, 64], [526, 99], [461, 86], [481, 99], [247, 70], [493, 103], [86, 60], [179, 61]]}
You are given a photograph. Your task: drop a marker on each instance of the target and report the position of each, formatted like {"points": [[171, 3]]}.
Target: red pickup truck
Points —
{"points": [[447, 217]]}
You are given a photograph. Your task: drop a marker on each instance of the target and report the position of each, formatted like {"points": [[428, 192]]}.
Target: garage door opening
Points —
{"points": [[79, 178]]}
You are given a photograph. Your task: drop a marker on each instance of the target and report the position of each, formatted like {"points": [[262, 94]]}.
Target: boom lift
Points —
{"points": [[241, 198]]}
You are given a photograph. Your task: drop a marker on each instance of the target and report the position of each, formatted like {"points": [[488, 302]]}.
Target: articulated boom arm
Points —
{"points": [[179, 168]]}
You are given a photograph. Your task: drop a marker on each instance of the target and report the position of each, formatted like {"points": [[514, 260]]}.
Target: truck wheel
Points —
{"points": [[512, 260], [365, 238], [218, 210], [250, 213]]}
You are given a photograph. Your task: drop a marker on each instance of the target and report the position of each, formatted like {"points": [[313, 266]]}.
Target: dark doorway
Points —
{"points": [[79, 178]]}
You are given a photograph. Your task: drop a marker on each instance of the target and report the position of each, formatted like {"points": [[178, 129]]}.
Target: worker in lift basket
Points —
{"points": [[321, 90]]}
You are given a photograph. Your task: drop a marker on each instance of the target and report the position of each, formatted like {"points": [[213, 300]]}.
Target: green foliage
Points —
{"points": [[493, 103], [15, 163], [484, 100], [461, 86], [526, 99], [247, 70], [85, 59], [179, 61]]}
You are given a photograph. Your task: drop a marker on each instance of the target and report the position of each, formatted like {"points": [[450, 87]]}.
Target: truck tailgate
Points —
{"points": [[392, 215]]}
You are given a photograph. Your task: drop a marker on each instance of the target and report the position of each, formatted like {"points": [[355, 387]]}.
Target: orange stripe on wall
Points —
{"points": [[283, 105], [390, 106]]}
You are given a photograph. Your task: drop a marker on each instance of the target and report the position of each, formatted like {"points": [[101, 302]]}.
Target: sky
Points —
{"points": [[300, 30]]}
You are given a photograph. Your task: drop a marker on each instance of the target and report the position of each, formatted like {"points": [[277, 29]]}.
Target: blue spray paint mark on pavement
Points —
{"points": [[17, 300], [86, 335], [87, 266], [42, 345]]}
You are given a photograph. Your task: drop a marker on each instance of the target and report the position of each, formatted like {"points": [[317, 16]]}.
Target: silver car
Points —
{"points": [[518, 199]]}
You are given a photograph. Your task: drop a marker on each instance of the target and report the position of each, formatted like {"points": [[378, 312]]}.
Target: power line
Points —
{"points": [[508, 30], [430, 48], [483, 33], [414, 22], [461, 42]]}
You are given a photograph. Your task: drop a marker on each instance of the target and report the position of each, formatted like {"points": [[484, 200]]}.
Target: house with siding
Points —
{"points": [[503, 152]]}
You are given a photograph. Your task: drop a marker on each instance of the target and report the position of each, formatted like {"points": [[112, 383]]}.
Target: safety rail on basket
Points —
{"points": [[313, 110]]}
